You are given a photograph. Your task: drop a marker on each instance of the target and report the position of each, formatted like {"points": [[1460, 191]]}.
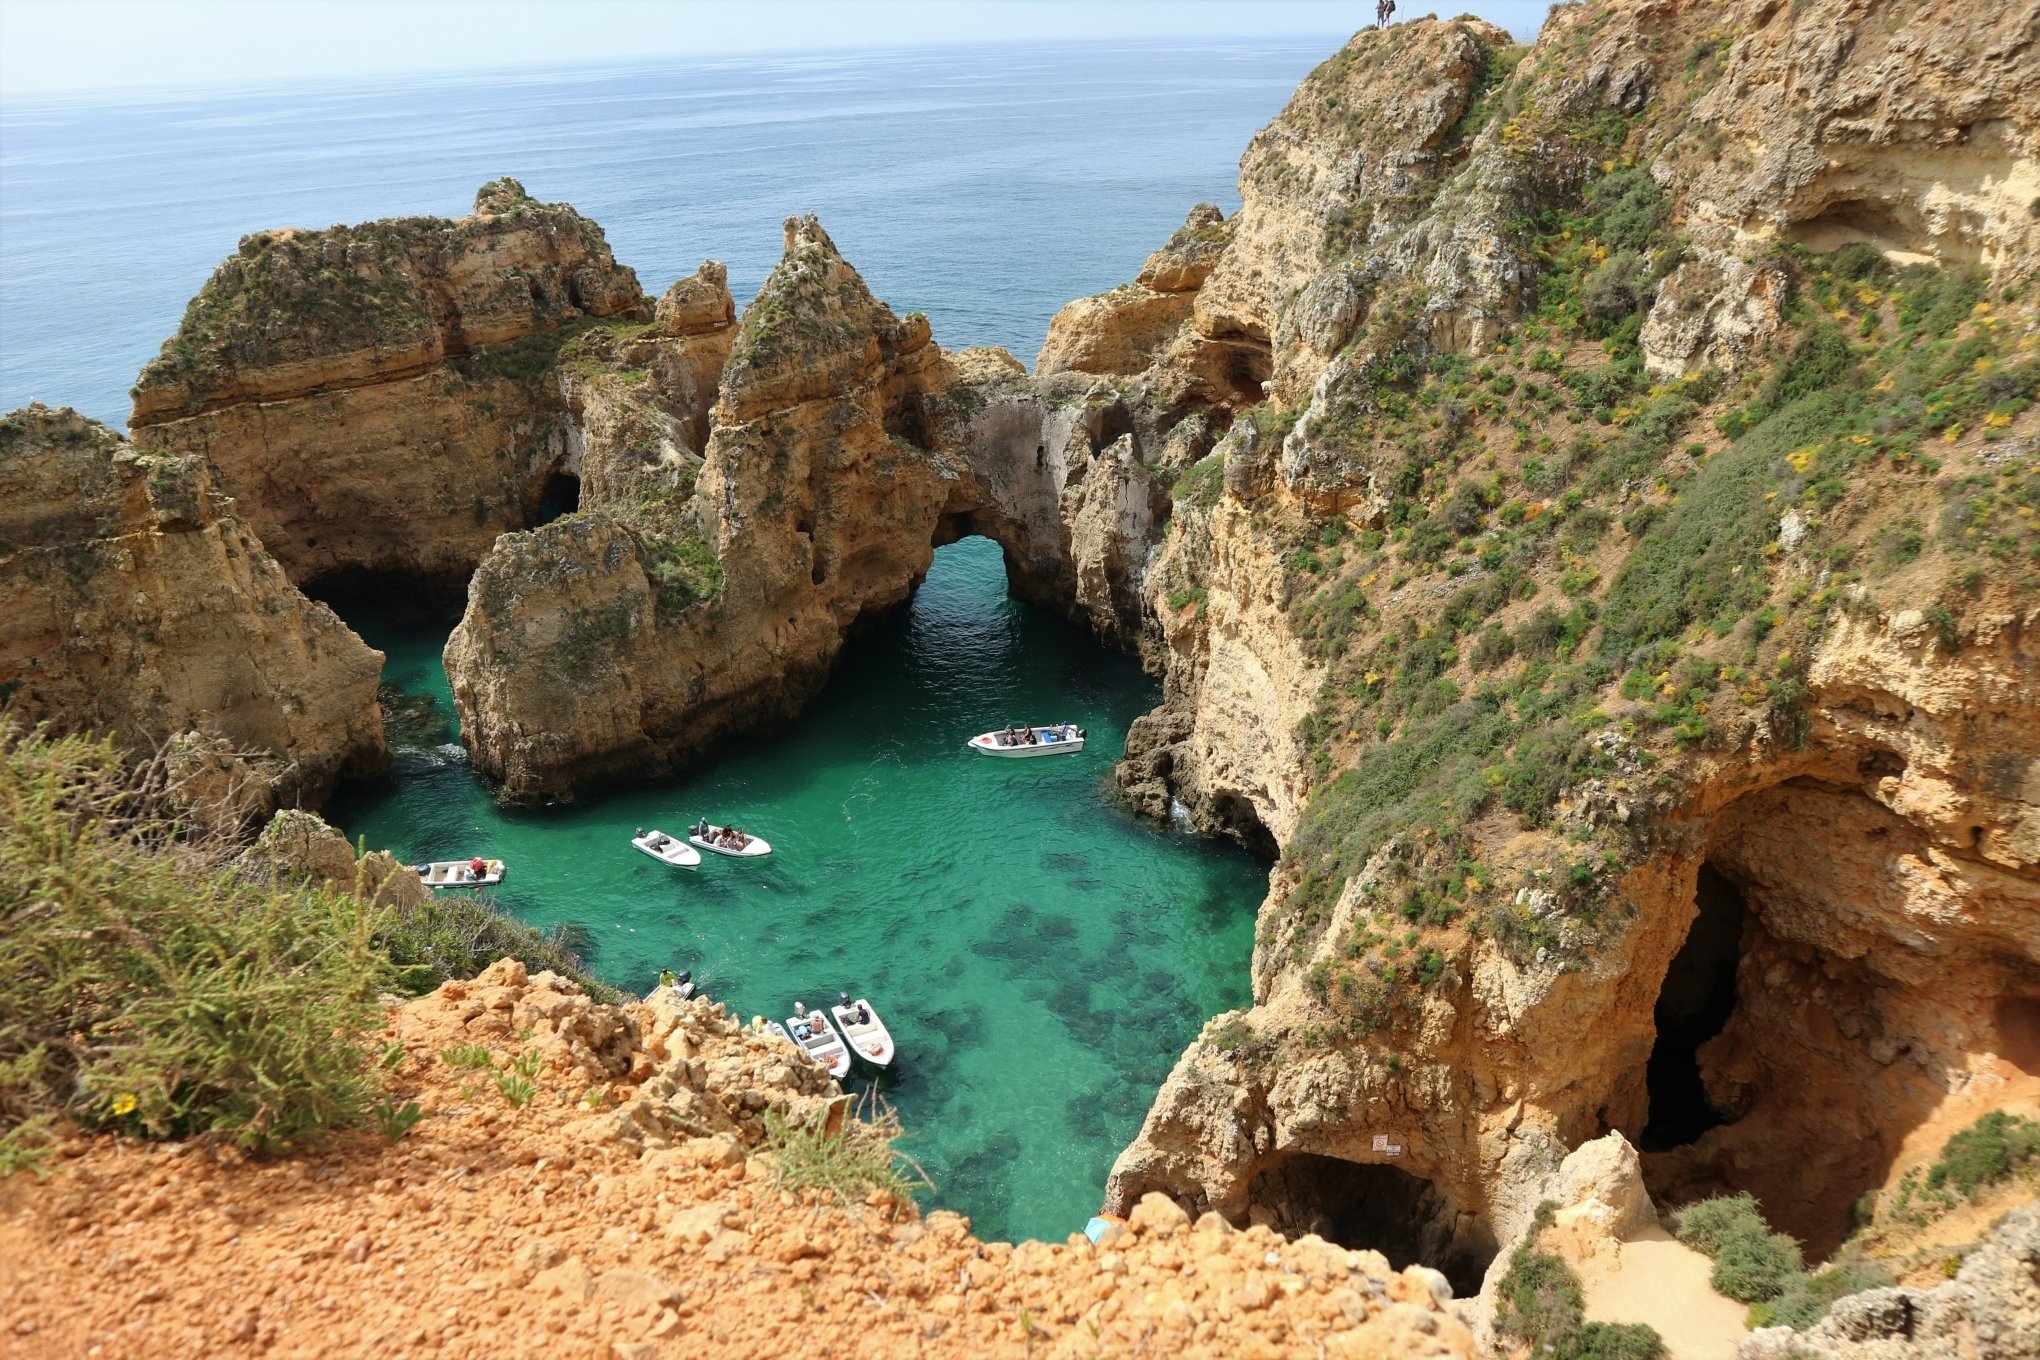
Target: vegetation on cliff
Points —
{"points": [[1580, 569], [154, 989]]}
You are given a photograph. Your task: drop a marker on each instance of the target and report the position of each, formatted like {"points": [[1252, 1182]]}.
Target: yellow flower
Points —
{"points": [[125, 1103], [1996, 420]]}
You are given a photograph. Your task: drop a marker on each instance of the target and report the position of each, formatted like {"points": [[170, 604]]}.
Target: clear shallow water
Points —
{"points": [[985, 186], [1040, 956]]}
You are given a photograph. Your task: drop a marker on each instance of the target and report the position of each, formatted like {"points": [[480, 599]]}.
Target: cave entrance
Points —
{"points": [[1372, 1205], [1235, 816], [561, 496], [1694, 1006]]}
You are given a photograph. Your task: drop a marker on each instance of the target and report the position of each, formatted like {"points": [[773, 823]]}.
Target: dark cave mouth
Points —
{"points": [[561, 496], [1373, 1206], [1693, 1006]]}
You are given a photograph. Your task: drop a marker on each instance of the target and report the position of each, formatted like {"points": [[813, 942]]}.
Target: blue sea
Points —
{"points": [[984, 186], [1042, 956]]}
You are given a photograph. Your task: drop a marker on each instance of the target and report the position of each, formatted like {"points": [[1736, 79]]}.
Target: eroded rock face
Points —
{"points": [[372, 396], [1916, 134], [583, 654], [1789, 916], [139, 605], [698, 596]]}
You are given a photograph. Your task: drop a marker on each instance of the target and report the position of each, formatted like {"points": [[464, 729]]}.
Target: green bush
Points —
{"points": [[1751, 1263], [1991, 1150], [1706, 1225], [1539, 1299], [456, 936], [148, 989], [1202, 482], [1807, 1298], [1610, 1341], [1700, 562], [1758, 1267]]}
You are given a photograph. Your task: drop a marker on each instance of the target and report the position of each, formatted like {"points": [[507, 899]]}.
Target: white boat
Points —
{"points": [[459, 873], [810, 1029], [866, 1034], [702, 835], [666, 849], [1060, 739], [772, 1027]]}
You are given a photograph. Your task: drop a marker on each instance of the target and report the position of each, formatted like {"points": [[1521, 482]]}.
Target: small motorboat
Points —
{"points": [[866, 1034], [811, 1030], [1018, 743], [708, 836], [666, 849], [460, 873]]}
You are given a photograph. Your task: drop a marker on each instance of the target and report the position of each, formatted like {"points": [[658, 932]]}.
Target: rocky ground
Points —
{"points": [[630, 1209]]}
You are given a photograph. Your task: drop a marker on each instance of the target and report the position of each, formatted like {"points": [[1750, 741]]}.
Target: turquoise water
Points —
{"points": [[1041, 956]]}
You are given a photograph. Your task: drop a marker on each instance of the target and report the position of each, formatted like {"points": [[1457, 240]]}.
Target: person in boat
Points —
{"points": [[476, 866], [665, 977], [863, 1014], [1032, 740]]}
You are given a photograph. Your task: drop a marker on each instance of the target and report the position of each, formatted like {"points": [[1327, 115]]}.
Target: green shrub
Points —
{"points": [[1539, 1299], [1807, 1298], [1202, 482], [1751, 1263], [456, 936], [1706, 1225], [1758, 1267], [1991, 1150], [150, 990], [1610, 1341], [1699, 563]]}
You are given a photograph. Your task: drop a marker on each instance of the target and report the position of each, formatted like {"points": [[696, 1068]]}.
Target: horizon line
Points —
{"points": [[75, 96]]}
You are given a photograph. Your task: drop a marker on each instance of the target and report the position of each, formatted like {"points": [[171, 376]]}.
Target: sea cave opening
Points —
{"points": [[1372, 1205], [1693, 1006], [1798, 1039], [560, 497]]}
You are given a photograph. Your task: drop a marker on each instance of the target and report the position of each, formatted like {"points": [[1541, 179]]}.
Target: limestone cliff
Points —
{"points": [[375, 397], [1618, 612], [698, 596], [140, 605]]}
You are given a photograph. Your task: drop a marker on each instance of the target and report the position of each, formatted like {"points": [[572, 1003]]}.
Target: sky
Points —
{"points": [[50, 47]]}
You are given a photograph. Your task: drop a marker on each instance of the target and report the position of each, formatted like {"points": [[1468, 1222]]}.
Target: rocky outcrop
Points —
{"points": [[299, 846], [692, 598], [635, 1203], [1917, 136], [374, 397], [1990, 1310], [140, 605], [584, 654], [1754, 926]]}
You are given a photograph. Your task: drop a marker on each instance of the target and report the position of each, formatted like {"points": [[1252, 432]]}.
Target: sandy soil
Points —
{"points": [[1656, 1279], [493, 1231]]}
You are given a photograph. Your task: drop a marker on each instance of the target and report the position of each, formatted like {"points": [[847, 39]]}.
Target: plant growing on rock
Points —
{"points": [[148, 987], [849, 1165]]}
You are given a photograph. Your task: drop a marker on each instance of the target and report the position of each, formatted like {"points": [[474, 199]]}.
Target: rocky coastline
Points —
{"points": [[1580, 509]]}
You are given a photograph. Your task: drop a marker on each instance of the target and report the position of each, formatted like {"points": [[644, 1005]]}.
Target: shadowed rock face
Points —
{"points": [[373, 397], [138, 605]]}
